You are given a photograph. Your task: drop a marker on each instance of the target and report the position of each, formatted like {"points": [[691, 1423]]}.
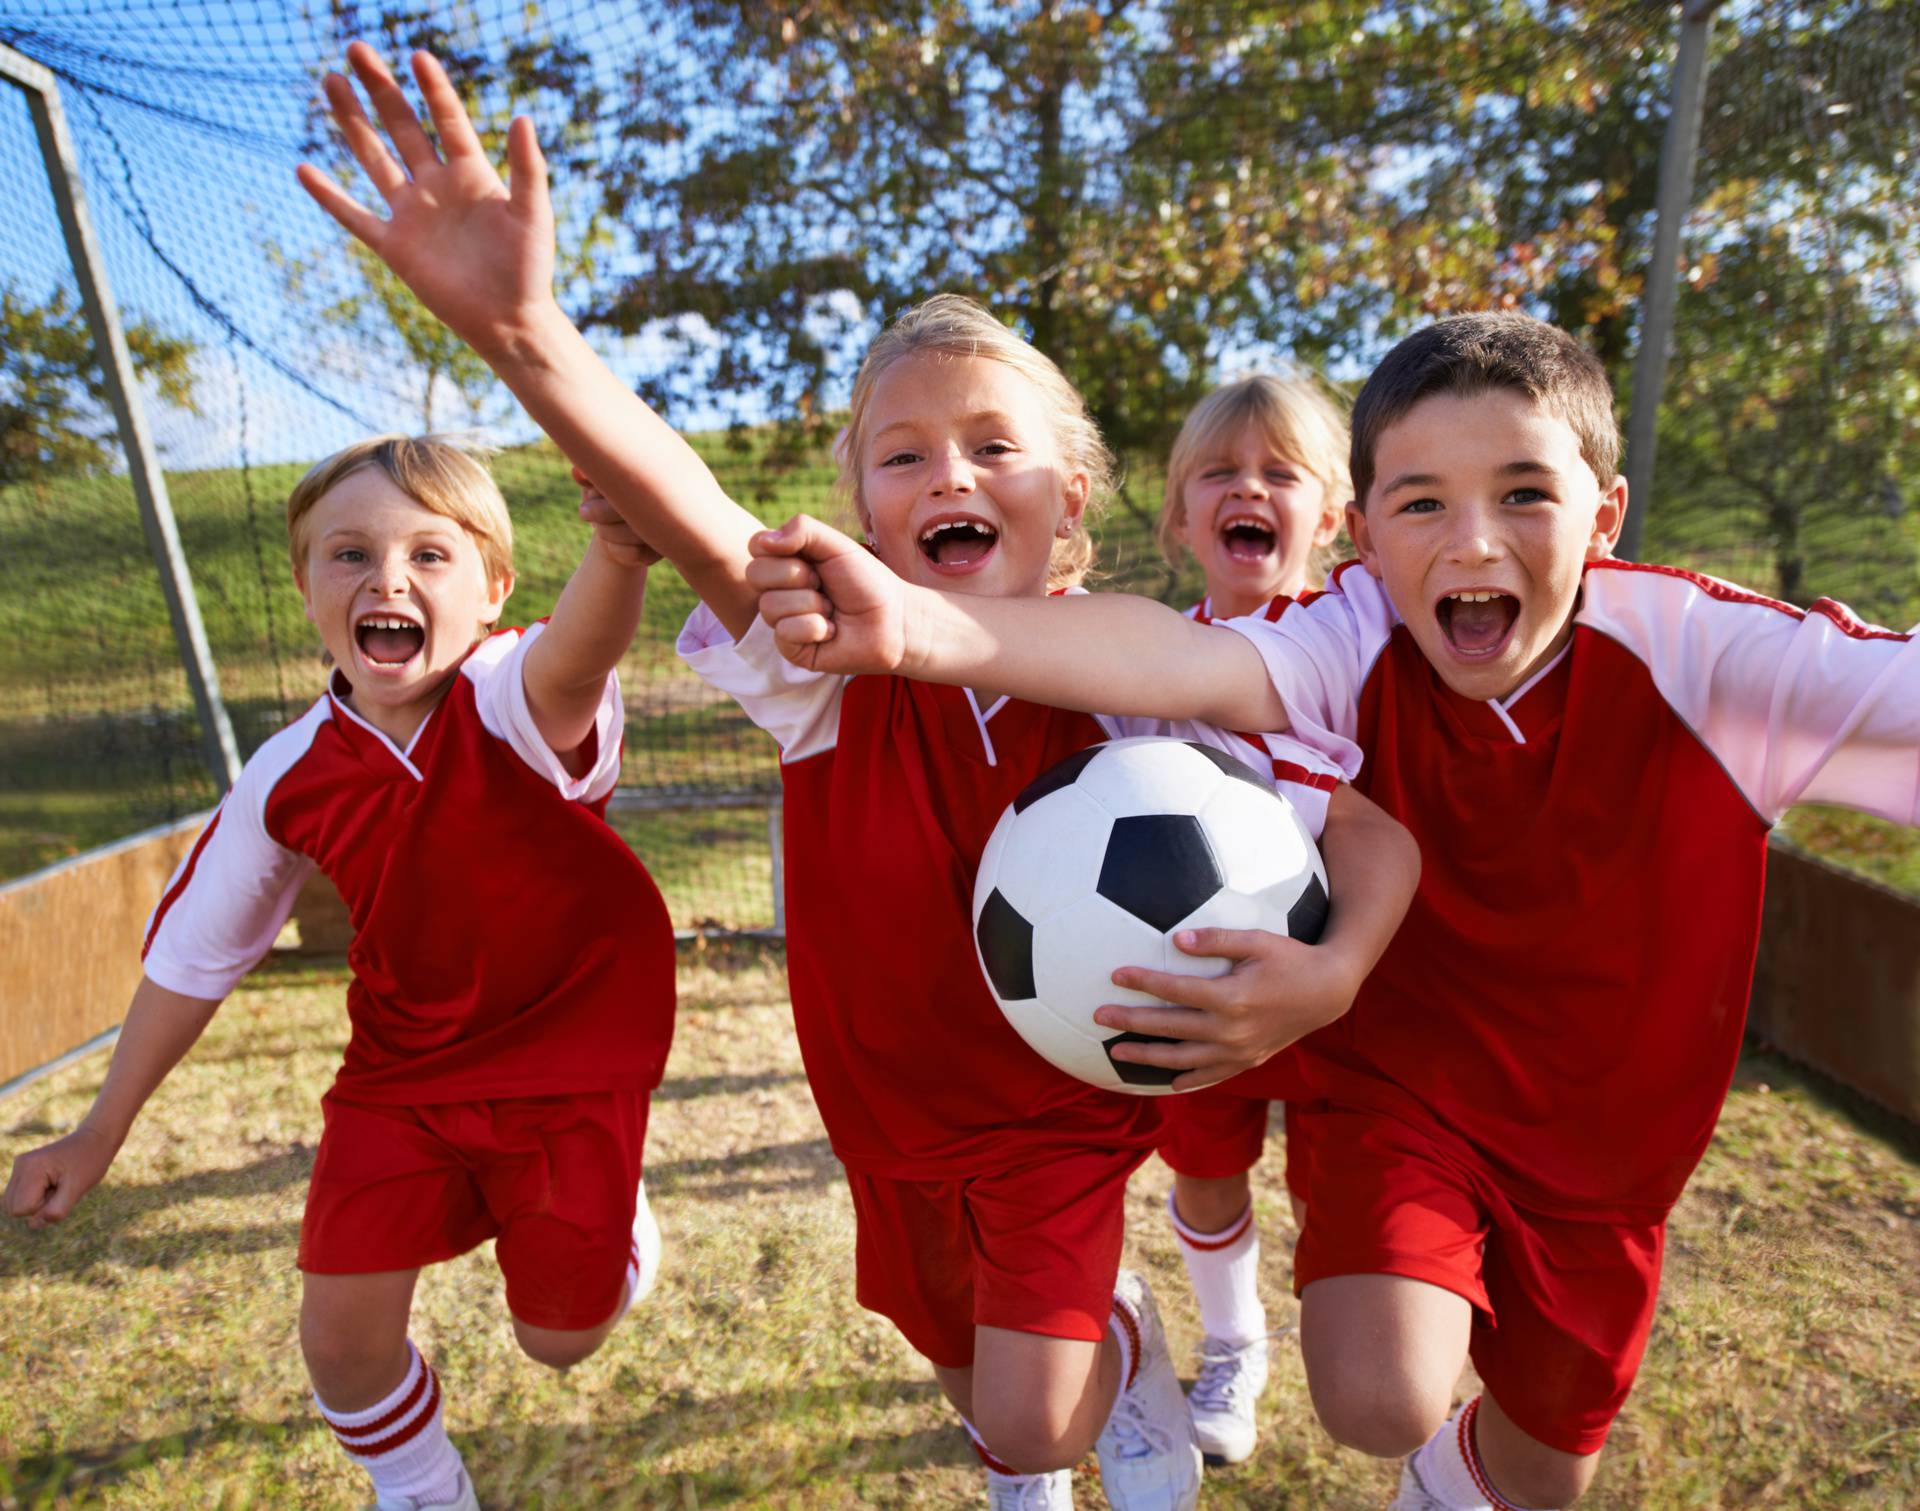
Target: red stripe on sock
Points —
{"points": [[1213, 1241], [1470, 1456], [365, 1441], [998, 1466], [1130, 1325]]}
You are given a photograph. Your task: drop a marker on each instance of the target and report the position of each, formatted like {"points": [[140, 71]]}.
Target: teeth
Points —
{"points": [[1247, 521], [1476, 597], [954, 524], [387, 622]]}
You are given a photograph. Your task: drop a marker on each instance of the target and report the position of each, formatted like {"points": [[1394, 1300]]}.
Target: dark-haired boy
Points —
{"points": [[1590, 753]]}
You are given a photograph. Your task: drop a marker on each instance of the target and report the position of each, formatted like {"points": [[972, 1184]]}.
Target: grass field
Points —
{"points": [[148, 1356]]}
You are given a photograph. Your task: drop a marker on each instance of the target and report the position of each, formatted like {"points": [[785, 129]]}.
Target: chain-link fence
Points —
{"points": [[1159, 194]]}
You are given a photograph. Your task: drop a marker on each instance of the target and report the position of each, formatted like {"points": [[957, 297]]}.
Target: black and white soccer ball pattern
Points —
{"points": [[1102, 859]]}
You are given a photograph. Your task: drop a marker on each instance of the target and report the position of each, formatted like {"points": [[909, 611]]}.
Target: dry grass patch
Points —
{"points": [[148, 1354]]}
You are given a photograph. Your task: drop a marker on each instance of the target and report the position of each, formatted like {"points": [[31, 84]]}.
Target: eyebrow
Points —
{"points": [[979, 416], [1523, 468]]}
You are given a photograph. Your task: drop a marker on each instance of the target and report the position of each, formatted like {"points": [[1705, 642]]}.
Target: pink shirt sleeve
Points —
{"points": [[226, 902], [1797, 706], [799, 708]]}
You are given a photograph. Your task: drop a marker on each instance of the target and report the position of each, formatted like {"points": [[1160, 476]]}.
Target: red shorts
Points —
{"points": [[1033, 1249], [1561, 1307], [552, 1178], [1213, 1132]]}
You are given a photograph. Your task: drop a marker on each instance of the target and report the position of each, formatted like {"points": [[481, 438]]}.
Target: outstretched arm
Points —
{"points": [[588, 632], [479, 254], [835, 608], [161, 1026], [1279, 989]]}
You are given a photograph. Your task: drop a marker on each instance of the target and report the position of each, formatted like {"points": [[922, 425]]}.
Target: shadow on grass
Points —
{"points": [[45, 1255], [811, 1162], [93, 1235], [510, 1459], [39, 1479], [1760, 1063], [688, 1088]]}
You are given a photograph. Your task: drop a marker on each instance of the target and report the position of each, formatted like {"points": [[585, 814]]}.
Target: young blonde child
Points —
{"points": [[987, 1186], [512, 994], [1255, 492], [1591, 753]]}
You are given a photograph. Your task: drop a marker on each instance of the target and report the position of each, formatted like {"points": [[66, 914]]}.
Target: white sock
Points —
{"points": [[645, 1233], [1449, 1466], [401, 1441], [1125, 1328], [1224, 1269]]}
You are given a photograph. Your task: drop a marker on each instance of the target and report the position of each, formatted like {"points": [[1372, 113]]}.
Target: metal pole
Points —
{"points": [[1677, 153], [116, 365]]}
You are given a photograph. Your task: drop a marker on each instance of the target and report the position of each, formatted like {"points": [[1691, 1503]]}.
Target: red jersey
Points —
{"points": [[1569, 989], [507, 943], [891, 789]]}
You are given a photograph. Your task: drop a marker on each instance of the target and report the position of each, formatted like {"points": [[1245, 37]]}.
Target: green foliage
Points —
{"points": [[54, 414]]}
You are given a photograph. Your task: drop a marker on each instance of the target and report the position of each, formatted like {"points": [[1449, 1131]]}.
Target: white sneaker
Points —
{"points": [[1414, 1496], [464, 1500], [1148, 1458], [646, 1247], [1224, 1396], [1030, 1492]]}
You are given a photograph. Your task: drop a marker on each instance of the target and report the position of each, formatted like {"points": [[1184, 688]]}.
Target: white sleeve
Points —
{"points": [[1318, 654], [799, 708], [225, 904], [1811, 707], [1300, 774], [497, 669]]}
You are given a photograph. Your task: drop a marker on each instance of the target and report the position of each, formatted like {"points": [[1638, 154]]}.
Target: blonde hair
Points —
{"points": [[1299, 421], [446, 475], [956, 325]]}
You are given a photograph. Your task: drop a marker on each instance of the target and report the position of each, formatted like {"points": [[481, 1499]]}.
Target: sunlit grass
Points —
{"points": [[148, 1354]]}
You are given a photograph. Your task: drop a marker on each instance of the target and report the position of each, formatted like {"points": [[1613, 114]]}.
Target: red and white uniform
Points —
{"points": [[507, 943], [1543, 1051], [1221, 1130], [968, 1153]]}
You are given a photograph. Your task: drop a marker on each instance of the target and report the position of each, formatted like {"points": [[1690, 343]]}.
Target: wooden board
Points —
{"points": [[1837, 985], [70, 941]]}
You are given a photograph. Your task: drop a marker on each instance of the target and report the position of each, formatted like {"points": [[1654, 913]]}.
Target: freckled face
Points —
{"points": [[961, 479], [1481, 516], [398, 593], [1253, 518]]}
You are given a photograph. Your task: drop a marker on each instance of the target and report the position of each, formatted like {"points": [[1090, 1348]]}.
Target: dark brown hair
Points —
{"points": [[1475, 354]]}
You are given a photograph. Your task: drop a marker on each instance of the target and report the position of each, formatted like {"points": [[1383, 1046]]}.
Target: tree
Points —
{"points": [[1104, 173], [55, 415], [535, 73]]}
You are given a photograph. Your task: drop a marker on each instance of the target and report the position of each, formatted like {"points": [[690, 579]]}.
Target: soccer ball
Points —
{"points": [[1102, 859]]}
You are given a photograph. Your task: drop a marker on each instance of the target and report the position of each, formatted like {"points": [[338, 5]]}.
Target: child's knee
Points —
{"points": [[556, 1349], [1026, 1437], [1376, 1412], [346, 1366]]}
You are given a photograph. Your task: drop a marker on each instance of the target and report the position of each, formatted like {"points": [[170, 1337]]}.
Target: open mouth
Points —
{"points": [[1477, 621], [959, 543], [388, 641], [1248, 538]]}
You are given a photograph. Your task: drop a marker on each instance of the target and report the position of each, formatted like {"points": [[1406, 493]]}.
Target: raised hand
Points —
{"points": [[831, 603], [615, 536], [48, 1181], [477, 252], [1277, 990]]}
